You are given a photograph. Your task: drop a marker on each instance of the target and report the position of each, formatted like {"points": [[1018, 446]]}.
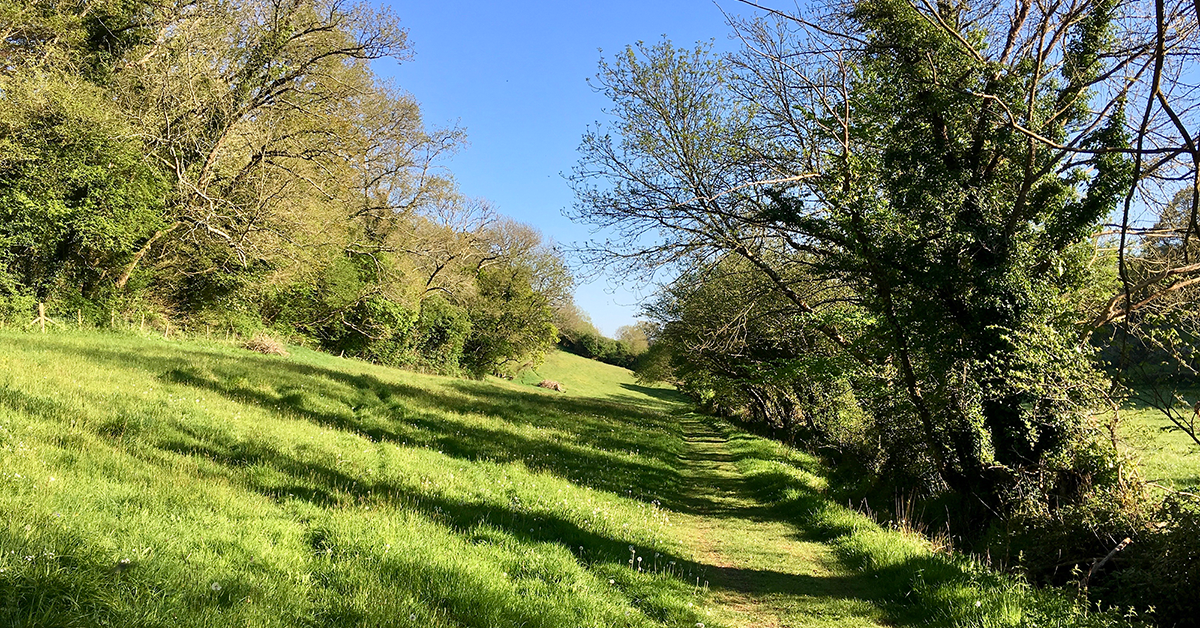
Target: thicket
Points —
{"points": [[894, 230], [238, 165]]}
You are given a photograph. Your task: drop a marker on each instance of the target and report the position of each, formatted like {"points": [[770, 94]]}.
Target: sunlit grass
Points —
{"points": [[147, 482], [1167, 455]]}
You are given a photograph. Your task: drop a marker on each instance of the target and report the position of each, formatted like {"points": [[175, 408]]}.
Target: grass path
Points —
{"points": [[152, 483], [761, 571]]}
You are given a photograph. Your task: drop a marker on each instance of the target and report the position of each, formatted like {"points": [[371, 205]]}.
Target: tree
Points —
{"points": [[941, 168], [275, 132], [75, 194], [636, 337]]}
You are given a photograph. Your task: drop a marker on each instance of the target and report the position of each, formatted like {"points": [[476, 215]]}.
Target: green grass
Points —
{"points": [[906, 579], [1167, 456], [596, 380], [146, 482]]}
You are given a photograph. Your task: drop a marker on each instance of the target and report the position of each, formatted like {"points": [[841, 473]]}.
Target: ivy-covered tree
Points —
{"points": [[940, 168]]}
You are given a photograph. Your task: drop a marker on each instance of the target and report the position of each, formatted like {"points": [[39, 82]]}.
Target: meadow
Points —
{"points": [[155, 482], [1167, 456]]}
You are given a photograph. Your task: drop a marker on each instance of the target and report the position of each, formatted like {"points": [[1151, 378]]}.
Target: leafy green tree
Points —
{"points": [[511, 324], [940, 168], [75, 194]]}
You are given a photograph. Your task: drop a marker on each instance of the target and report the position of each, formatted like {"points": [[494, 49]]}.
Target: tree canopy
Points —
{"points": [[910, 194], [239, 164]]}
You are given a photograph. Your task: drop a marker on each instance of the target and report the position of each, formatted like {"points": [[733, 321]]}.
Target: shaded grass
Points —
{"points": [[900, 573], [149, 483]]}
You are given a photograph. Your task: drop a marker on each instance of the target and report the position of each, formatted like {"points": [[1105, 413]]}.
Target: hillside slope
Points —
{"points": [[146, 482]]}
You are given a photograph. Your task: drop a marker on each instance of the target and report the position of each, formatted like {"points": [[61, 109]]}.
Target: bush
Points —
{"points": [[16, 309], [1161, 569], [441, 332]]}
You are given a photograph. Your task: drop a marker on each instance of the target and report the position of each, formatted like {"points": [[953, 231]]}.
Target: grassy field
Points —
{"points": [[1167, 455], [147, 482]]}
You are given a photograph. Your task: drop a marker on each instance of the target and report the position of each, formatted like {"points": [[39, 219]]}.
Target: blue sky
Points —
{"points": [[513, 75]]}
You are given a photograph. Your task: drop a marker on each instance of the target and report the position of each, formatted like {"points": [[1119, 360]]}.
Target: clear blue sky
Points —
{"points": [[513, 75]]}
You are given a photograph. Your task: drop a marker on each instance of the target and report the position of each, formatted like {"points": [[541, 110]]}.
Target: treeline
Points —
{"points": [[578, 335], [238, 164], [891, 228]]}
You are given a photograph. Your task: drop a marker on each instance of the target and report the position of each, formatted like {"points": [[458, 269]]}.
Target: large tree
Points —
{"points": [[946, 164]]}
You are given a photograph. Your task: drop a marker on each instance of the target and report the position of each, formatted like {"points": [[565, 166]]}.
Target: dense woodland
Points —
{"points": [[940, 244]]}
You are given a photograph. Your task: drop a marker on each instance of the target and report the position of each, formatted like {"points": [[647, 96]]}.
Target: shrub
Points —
{"points": [[441, 332]]}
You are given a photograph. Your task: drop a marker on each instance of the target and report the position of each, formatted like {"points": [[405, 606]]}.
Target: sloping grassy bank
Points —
{"points": [[909, 579], [151, 483], [146, 482]]}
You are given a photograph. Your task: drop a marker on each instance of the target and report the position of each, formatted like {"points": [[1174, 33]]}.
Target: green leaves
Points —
{"points": [[76, 195]]}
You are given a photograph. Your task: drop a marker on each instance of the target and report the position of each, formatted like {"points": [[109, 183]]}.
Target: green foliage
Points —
{"points": [[75, 194], [511, 323], [879, 231], [592, 344], [1162, 570], [441, 334], [206, 163], [920, 277]]}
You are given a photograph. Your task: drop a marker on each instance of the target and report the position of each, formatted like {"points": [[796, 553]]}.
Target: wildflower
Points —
{"points": [[412, 617], [978, 603], [216, 586]]}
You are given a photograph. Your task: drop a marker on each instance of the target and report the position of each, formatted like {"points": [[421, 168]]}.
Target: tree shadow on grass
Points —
{"points": [[325, 486], [585, 441], [398, 420], [601, 444], [662, 394]]}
